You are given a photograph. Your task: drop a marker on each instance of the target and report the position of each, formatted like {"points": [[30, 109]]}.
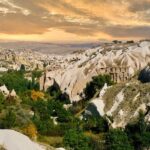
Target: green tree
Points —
{"points": [[2, 101], [41, 110], [96, 84], [77, 140], [116, 139], [139, 133], [14, 80], [96, 124], [9, 120], [44, 127], [37, 74]]}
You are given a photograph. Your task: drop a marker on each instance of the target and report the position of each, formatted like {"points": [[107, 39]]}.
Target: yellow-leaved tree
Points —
{"points": [[35, 95], [31, 131]]}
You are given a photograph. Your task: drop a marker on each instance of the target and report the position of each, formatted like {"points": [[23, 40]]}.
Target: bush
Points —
{"points": [[9, 121], [35, 95], [117, 139], [96, 124], [31, 131], [77, 140], [2, 101], [46, 127]]}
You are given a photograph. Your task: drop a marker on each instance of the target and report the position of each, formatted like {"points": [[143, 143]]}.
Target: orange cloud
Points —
{"points": [[72, 20]]}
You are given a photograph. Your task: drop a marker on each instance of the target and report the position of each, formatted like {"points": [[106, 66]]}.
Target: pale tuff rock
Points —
{"points": [[119, 98], [121, 61], [67, 106], [136, 97], [54, 120], [2, 69], [13, 93], [12, 140], [4, 90], [103, 90], [99, 106], [98, 102], [142, 108]]}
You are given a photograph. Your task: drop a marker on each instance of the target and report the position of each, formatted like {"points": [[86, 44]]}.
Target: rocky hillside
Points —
{"points": [[120, 60], [121, 102]]}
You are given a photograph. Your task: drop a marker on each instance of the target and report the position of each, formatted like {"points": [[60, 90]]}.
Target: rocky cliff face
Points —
{"points": [[122, 102], [121, 61]]}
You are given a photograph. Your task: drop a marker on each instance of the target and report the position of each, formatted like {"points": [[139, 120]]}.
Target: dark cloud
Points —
{"points": [[139, 5], [128, 31]]}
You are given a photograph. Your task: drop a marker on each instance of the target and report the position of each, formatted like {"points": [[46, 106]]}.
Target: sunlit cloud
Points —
{"points": [[72, 20]]}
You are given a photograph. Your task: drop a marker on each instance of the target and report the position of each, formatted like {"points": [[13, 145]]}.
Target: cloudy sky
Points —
{"points": [[74, 20]]}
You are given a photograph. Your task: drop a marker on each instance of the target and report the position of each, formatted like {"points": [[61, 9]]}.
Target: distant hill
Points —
{"points": [[48, 48]]}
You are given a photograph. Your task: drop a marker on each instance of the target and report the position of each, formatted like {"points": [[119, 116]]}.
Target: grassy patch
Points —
{"points": [[110, 95], [55, 141]]}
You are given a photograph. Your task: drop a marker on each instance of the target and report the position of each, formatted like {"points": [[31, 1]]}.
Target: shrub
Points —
{"points": [[76, 139], [35, 95], [116, 139], [96, 124], [9, 120], [31, 131]]}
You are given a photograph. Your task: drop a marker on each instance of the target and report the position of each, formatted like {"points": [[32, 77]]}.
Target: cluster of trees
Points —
{"points": [[76, 139], [135, 136], [47, 106], [96, 84], [139, 133], [96, 124], [9, 120], [16, 80], [117, 139], [57, 94], [44, 111]]}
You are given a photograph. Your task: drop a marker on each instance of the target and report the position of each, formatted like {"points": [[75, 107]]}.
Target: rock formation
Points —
{"points": [[121, 61]]}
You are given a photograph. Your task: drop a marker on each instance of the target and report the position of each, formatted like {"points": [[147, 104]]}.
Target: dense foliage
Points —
{"points": [[96, 84], [139, 133], [14, 80], [117, 140], [42, 114], [77, 140]]}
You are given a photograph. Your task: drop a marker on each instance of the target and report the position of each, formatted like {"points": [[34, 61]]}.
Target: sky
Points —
{"points": [[74, 20]]}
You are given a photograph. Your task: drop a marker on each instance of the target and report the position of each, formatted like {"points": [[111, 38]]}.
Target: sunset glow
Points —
{"points": [[74, 20]]}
